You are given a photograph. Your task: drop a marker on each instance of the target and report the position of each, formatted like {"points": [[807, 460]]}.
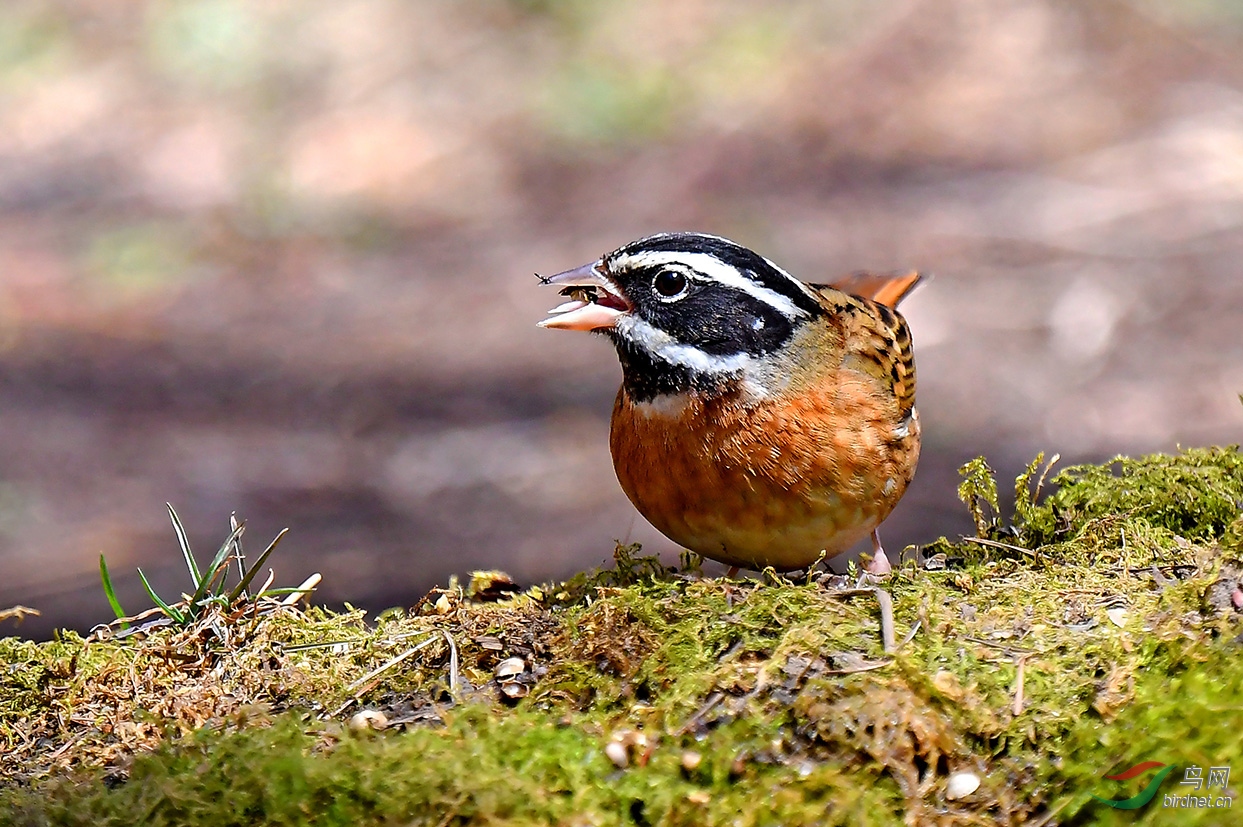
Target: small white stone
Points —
{"points": [[1117, 617], [961, 785], [367, 720], [618, 754]]}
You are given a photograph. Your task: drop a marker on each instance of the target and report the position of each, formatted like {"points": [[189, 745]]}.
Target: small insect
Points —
{"points": [[581, 294]]}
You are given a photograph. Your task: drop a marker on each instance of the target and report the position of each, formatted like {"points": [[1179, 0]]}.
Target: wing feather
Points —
{"points": [[885, 288], [877, 338]]}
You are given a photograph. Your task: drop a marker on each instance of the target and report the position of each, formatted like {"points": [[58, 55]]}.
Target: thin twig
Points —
{"points": [[304, 589], [713, 699], [855, 592], [911, 634], [375, 673], [1017, 709], [995, 544], [19, 612], [267, 583], [888, 638], [866, 667], [323, 644], [453, 665], [59, 751], [1009, 650], [886, 620]]}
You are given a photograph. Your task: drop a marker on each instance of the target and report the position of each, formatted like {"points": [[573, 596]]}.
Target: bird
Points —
{"points": [[762, 421]]}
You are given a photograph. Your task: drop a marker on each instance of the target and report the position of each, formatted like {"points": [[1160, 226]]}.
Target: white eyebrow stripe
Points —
{"points": [[720, 272]]}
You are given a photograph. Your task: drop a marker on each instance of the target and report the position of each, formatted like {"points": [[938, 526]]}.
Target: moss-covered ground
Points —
{"points": [[1097, 628]]}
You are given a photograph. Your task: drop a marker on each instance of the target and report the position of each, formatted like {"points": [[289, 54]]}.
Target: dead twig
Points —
{"points": [[886, 612], [364, 683], [994, 544], [1021, 662], [911, 634], [713, 699], [887, 636], [1009, 650], [322, 644], [19, 612], [453, 665], [867, 666], [304, 589]]}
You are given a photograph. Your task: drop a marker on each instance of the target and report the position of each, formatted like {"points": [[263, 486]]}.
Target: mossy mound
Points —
{"points": [[1098, 630]]}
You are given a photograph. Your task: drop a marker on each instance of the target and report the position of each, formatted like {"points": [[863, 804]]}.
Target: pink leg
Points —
{"points": [[732, 573], [879, 565]]}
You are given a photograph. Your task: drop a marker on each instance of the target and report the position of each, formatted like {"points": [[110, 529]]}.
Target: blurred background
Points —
{"points": [[276, 257]]}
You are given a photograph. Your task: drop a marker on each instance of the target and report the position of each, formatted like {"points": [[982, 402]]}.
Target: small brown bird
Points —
{"points": [[761, 421]]}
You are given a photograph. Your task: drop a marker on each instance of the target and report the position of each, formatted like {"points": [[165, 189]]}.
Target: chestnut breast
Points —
{"points": [[771, 480]]}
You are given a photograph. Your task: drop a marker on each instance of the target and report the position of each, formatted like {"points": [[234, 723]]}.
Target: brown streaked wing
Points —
{"points": [[877, 338]]}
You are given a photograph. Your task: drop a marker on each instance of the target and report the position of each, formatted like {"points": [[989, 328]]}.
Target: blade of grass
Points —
{"points": [[184, 541], [238, 554], [110, 592], [219, 562], [254, 569], [177, 616]]}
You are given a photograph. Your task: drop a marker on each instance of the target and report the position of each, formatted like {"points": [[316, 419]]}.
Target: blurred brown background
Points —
{"points": [[276, 257]]}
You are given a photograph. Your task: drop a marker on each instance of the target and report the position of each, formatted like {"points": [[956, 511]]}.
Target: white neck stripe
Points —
{"points": [[664, 347]]}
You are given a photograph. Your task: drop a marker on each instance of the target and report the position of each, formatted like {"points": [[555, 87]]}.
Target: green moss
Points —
{"points": [[1094, 632], [515, 769], [1194, 494]]}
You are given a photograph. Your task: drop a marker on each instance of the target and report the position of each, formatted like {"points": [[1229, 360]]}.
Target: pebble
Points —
{"points": [[961, 785], [618, 754], [367, 720]]}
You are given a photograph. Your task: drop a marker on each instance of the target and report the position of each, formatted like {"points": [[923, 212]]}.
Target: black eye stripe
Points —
{"points": [[747, 263]]}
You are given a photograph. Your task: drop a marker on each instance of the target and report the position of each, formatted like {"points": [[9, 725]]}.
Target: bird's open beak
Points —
{"points": [[595, 302]]}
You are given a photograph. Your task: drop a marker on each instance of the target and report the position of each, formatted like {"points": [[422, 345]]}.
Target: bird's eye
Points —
{"points": [[669, 285]]}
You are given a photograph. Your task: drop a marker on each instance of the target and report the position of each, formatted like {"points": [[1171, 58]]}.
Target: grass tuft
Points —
{"points": [[210, 590]]}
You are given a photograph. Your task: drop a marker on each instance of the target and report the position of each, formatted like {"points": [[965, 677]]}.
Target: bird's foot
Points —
{"points": [[879, 564]]}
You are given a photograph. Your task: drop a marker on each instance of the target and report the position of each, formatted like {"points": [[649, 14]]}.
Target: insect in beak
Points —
{"points": [[595, 302]]}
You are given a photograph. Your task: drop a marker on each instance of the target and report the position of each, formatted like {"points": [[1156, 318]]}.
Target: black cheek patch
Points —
{"points": [[722, 323]]}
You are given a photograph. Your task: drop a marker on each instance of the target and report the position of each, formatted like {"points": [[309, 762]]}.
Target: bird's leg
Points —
{"points": [[879, 564], [732, 573]]}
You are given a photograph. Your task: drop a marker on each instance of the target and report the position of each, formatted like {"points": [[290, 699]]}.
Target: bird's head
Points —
{"points": [[685, 310]]}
